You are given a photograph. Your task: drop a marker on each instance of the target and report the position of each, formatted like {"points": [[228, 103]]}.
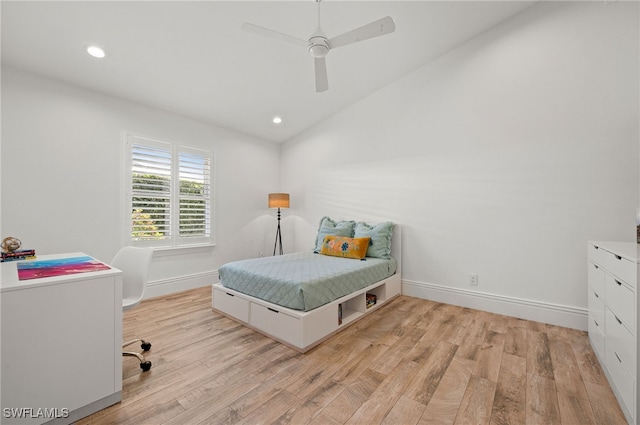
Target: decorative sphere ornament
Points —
{"points": [[10, 244]]}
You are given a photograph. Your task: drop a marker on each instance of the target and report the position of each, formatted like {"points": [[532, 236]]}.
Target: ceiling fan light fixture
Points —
{"points": [[318, 50], [95, 51], [277, 119]]}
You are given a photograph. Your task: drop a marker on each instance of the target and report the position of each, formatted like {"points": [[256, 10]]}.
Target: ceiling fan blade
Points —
{"points": [[382, 26], [322, 82], [273, 34]]}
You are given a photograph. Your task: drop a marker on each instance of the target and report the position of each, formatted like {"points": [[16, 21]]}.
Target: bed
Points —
{"points": [[301, 299]]}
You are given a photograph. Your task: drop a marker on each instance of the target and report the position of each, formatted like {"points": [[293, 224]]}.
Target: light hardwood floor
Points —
{"points": [[410, 362]]}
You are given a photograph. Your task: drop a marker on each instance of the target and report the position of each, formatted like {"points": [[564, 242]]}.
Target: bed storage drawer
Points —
{"points": [[231, 304], [277, 324]]}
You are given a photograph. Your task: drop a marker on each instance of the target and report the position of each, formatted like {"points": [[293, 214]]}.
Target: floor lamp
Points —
{"points": [[278, 200]]}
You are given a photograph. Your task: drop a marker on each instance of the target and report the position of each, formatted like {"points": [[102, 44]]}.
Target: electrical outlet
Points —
{"points": [[473, 279]]}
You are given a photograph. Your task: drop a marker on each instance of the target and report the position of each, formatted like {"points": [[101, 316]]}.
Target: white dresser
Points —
{"points": [[613, 318], [61, 344]]}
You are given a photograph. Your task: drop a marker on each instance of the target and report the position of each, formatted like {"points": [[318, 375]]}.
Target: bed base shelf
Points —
{"points": [[302, 330]]}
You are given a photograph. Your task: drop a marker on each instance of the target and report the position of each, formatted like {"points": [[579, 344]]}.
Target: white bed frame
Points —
{"points": [[303, 330]]}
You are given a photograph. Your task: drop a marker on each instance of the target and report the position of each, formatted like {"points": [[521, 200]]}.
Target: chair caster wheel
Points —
{"points": [[145, 366], [145, 346]]}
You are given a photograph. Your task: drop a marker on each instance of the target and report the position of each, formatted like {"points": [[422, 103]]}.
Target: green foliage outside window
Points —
{"points": [[151, 208]]}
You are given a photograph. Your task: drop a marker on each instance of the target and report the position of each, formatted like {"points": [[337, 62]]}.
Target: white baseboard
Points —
{"points": [[172, 285], [554, 314]]}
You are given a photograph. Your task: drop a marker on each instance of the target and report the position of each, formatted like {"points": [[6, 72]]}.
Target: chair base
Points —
{"points": [[145, 365]]}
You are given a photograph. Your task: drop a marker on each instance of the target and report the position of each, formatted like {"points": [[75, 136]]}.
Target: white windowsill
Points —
{"points": [[164, 251]]}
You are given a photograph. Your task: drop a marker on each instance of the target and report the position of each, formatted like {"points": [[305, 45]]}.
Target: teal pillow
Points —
{"points": [[380, 234], [333, 228]]}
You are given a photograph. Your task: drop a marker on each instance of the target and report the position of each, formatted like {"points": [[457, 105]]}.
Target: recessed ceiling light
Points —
{"points": [[277, 120], [95, 51]]}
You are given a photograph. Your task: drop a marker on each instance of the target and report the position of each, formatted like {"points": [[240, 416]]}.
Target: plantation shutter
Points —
{"points": [[151, 191], [195, 193]]}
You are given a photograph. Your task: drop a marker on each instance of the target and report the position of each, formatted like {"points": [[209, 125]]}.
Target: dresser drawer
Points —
{"points": [[596, 336], [620, 299], [277, 324], [623, 379], [597, 254], [232, 304], [622, 268], [620, 341], [595, 276], [596, 307]]}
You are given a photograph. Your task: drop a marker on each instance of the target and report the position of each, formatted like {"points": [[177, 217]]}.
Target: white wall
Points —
{"points": [[61, 177], [501, 158]]}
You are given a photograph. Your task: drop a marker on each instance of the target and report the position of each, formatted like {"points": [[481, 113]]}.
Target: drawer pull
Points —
{"points": [[617, 257], [596, 266], [618, 357], [618, 282], [231, 295], [596, 294], [270, 309], [596, 322], [619, 321]]}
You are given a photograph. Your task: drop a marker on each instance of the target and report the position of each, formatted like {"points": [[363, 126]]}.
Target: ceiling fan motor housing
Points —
{"points": [[318, 46]]}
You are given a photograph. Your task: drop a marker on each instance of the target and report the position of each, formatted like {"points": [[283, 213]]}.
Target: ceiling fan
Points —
{"points": [[319, 45]]}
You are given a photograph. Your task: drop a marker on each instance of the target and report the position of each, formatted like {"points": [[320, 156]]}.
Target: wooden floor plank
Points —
{"points": [[411, 361], [311, 404], [348, 401], [394, 355], [382, 400], [271, 410], [575, 410], [542, 401], [566, 371], [509, 404], [445, 402], [476, 405], [605, 407], [516, 341], [405, 411], [472, 339], [538, 354], [351, 369], [424, 383], [489, 357]]}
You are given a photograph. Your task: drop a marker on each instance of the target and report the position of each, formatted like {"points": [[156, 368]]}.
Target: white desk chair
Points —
{"points": [[134, 263]]}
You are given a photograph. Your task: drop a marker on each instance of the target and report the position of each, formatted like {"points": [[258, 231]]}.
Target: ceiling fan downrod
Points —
{"points": [[318, 46]]}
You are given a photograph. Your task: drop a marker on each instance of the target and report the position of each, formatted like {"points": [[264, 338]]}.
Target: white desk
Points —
{"points": [[61, 344]]}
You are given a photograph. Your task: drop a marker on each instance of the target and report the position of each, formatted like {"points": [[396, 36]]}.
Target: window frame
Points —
{"points": [[174, 240]]}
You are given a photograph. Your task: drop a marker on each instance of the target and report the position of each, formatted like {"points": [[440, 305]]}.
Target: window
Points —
{"points": [[169, 193]]}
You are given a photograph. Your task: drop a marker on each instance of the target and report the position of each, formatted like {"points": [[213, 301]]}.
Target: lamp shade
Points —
{"points": [[278, 200]]}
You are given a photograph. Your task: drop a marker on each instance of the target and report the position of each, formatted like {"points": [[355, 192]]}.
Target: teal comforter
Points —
{"points": [[303, 280]]}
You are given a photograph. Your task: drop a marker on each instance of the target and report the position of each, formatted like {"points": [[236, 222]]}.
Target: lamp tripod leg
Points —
{"points": [[278, 237]]}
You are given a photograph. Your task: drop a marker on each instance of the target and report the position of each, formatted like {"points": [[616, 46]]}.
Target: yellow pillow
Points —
{"points": [[342, 246]]}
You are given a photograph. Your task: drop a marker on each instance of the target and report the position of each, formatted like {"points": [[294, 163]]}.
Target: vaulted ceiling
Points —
{"points": [[192, 58]]}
